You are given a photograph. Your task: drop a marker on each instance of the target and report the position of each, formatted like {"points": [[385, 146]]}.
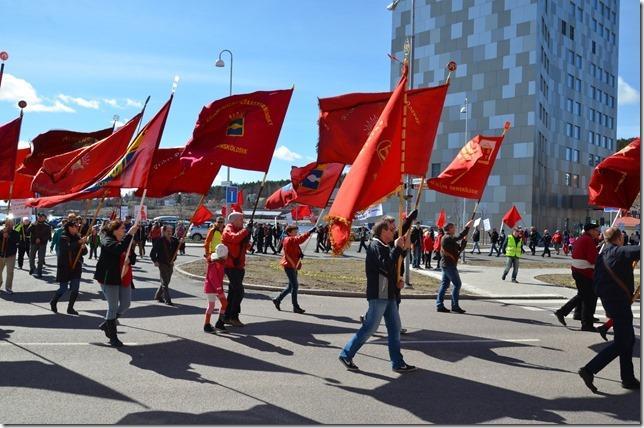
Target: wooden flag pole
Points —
{"points": [[22, 104], [403, 145], [317, 222], [619, 214], [89, 230], [183, 238], [259, 194], [136, 222], [10, 195]]}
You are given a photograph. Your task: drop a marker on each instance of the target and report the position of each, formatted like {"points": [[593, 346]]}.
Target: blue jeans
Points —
{"points": [[74, 285], [377, 309], [291, 287], [450, 274], [118, 300], [418, 253]]}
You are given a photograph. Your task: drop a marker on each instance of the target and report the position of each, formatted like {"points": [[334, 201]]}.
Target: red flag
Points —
{"points": [[376, 171], [223, 211], [240, 131], [615, 181], [301, 212], [442, 219], [166, 163], [9, 136], [346, 121], [130, 171], [467, 175], [113, 215], [21, 183], [72, 171], [56, 142], [240, 198], [512, 217], [201, 215], [310, 185]]}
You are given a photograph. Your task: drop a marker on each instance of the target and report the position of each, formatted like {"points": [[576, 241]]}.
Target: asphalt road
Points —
{"points": [[502, 362]]}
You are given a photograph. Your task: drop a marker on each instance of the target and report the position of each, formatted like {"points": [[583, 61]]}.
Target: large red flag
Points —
{"points": [[301, 212], [239, 131], [346, 121], [73, 171], [9, 136], [201, 215], [130, 171], [442, 219], [21, 182], [56, 142], [375, 173], [512, 217], [615, 181], [310, 185], [467, 175]]}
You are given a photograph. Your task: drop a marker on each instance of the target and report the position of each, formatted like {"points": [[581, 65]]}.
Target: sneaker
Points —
{"points": [[219, 325], [458, 310], [405, 368], [361, 319], [277, 304], [299, 310], [442, 309], [9, 291], [631, 384], [348, 363], [515, 281], [602, 332], [588, 379], [560, 318], [236, 323], [208, 328], [503, 276], [403, 331]]}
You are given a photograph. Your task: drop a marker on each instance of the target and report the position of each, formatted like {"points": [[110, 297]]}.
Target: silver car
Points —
{"points": [[199, 233]]}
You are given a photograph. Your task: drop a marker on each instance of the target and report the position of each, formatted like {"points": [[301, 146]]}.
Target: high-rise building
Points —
{"points": [[547, 66]]}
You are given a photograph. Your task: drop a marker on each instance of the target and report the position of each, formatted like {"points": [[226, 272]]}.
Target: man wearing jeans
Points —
{"points": [[40, 235], [451, 247], [512, 247], [383, 288], [416, 245]]}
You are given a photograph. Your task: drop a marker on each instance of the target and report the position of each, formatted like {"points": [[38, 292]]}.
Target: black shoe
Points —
{"points": [[361, 319], [71, 311], [403, 331], [298, 310], [54, 305], [405, 368], [219, 325], [458, 310], [588, 328], [31, 271], [208, 328], [115, 342], [103, 326], [515, 281], [560, 318], [442, 309], [588, 379], [277, 304], [631, 384], [348, 363], [503, 276], [72, 301], [602, 332]]}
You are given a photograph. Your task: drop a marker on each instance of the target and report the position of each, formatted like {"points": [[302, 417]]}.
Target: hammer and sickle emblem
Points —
{"points": [[383, 149]]}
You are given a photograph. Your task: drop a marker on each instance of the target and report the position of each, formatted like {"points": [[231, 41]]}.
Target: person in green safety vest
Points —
{"points": [[513, 253]]}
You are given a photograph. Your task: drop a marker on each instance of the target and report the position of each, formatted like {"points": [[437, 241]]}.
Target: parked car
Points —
{"points": [[166, 219], [198, 233]]}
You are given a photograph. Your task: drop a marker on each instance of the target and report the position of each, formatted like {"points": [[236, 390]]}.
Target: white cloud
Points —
{"points": [[15, 89], [133, 103], [283, 153], [626, 94], [22, 144], [81, 102], [111, 102]]}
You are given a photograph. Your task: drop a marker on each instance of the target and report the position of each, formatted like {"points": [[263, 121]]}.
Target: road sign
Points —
{"points": [[231, 194], [611, 210]]}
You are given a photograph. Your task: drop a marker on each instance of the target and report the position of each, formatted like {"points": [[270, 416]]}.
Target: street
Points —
{"points": [[504, 361]]}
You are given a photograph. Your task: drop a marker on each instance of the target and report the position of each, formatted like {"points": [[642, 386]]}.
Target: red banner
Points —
{"points": [[56, 142], [347, 120], [21, 183], [512, 217], [201, 215], [301, 212], [9, 136], [239, 131], [442, 219], [310, 185], [615, 182], [467, 175]]}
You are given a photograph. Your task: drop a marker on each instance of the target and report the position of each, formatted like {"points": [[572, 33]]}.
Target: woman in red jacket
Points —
{"points": [[428, 247], [292, 262]]}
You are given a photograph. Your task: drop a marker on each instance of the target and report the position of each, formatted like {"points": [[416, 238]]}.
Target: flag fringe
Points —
{"points": [[337, 250]]}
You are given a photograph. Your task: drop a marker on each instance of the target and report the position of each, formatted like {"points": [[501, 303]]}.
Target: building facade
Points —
{"points": [[549, 67]]}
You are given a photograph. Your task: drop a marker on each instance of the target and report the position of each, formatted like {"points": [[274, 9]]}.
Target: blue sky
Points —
{"points": [[81, 62]]}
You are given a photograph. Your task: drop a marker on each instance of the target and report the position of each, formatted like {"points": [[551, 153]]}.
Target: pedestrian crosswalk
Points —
{"points": [[551, 305]]}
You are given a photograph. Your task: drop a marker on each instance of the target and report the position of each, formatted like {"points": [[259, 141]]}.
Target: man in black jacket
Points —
{"points": [[534, 240], [24, 232], [476, 237], [383, 288], [8, 247], [494, 239], [547, 239], [451, 247], [416, 245], [40, 234], [163, 254], [614, 284]]}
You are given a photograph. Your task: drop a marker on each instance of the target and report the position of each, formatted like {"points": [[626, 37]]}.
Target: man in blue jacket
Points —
{"points": [[383, 289], [614, 285]]}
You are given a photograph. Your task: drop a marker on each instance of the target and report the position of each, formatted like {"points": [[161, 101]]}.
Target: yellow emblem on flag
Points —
{"points": [[235, 126]]}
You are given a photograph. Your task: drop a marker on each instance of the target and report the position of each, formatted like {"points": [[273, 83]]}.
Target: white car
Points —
{"points": [[199, 233]]}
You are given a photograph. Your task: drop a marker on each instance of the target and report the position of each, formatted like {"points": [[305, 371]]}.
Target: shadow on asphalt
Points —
{"points": [[597, 347], [258, 415], [27, 297], [514, 319], [431, 397]]}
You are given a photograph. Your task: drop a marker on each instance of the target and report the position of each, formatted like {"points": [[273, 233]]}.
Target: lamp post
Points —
{"points": [[408, 196], [220, 63], [3, 57]]}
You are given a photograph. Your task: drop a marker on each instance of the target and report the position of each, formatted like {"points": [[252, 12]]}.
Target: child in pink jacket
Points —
{"points": [[214, 287]]}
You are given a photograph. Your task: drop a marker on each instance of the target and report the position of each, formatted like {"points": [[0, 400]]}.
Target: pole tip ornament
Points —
{"points": [[451, 66], [4, 56], [507, 125], [407, 48], [22, 103]]}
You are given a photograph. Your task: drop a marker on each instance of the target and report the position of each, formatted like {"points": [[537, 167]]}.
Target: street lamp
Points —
{"points": [[465, 110], [220, 63]]}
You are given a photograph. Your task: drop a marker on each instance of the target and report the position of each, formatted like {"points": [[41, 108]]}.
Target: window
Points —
{"points": [[578, 109], [571, 57], [591, 114], [567, 179], [570, 81], [597, 160], [594, 25], [606, 77], [597, 136], [594, 51], [568, 154], [436, 169], [577, 133], [575, 156], [563, 27], [591, 137], [569, 105], [569, 129], [604, 142], [578, 58], [593, 67], [577, 85], [591, 160], [575, 180], [580, 14], [572, 33]]}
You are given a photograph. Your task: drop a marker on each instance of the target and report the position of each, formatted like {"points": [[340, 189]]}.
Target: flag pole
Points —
{"points": [[89, 230], [619, 214], [129, 247], [183, 238], [22, 104], [261, 189], [407, 48]]}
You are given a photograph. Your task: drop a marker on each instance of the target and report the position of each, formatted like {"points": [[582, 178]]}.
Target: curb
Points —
{"points": [[356, 294]]}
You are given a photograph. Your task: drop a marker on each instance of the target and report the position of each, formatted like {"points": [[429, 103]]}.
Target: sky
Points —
{"points": [[79, 63]]}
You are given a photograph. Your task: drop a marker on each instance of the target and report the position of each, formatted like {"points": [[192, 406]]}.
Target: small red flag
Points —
{"points": [[310, 185], [442, 219], [56, 142], [21, 182], [375, 173], [201, 215], [512, 217], [223, 211], [281, 197], [239, 131], [9, 136], [347, 120], [301, 212], [615, 181], [467, 175]]}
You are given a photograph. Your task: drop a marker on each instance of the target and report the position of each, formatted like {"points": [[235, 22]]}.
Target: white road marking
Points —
{"points": [[531, 308], [3, 342], [460, 341]]}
